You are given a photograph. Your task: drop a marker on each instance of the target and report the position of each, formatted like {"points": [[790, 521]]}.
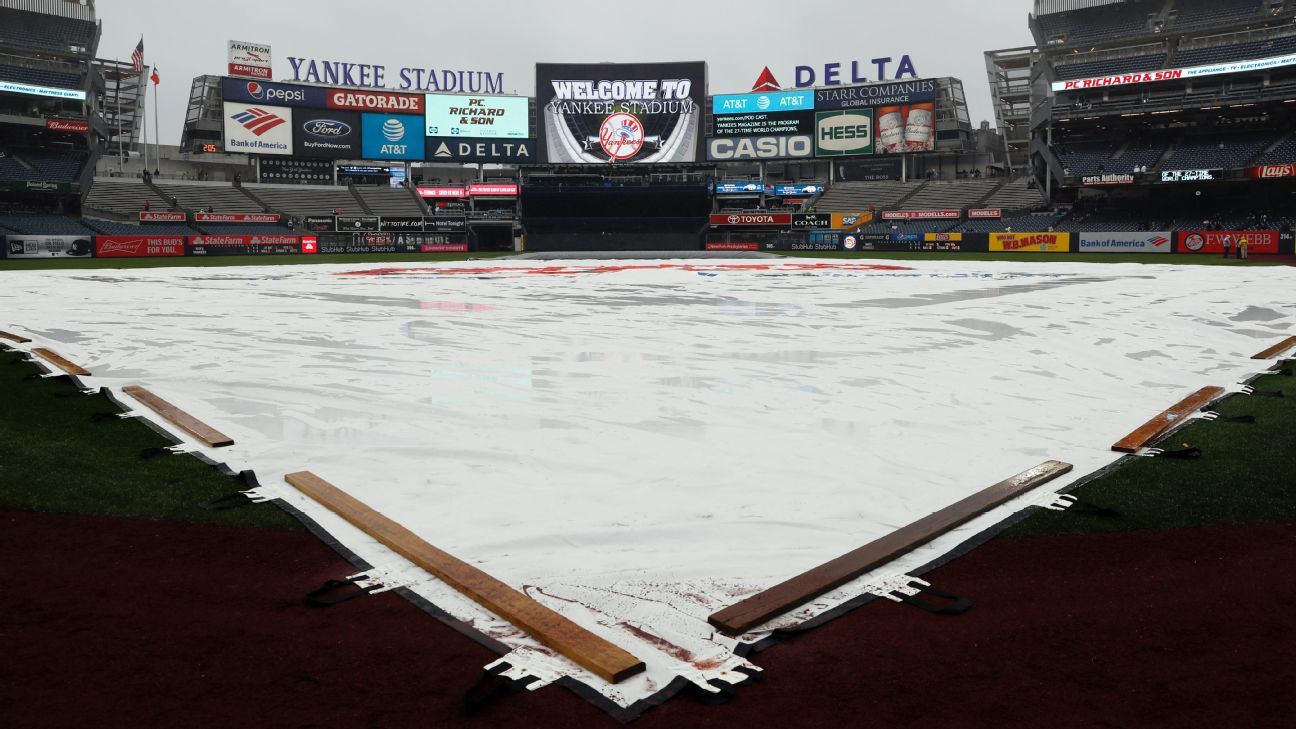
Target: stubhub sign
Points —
{"points": [[391, 136]]}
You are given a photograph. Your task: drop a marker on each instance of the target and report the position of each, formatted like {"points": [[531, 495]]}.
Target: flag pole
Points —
{"points": [[157, 129], [121, 152]]}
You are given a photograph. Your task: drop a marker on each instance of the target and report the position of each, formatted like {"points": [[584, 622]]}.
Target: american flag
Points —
{"points": [[137, 57]]}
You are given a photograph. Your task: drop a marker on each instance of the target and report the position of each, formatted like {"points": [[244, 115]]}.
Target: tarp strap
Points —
{"points": [[1242, 419], [101, 417], [227, 503], [722, 695], [317, 598], [149, 453], [1088, 508], [1187, 454], [956, 605], [492, 686], [1268, 393]]}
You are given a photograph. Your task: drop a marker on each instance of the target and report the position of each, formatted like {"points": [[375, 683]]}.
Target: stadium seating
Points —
{"points": [[858, 196], [1217, 151], [390, 201], [221, 197], [1097, 24], [950, 195], [45, 32], [1026, 223], [244, 229], [39, 77], [124, 196], [1189, 57], [109, 227], [1284, 153], [42, 224], [41, 165], [1016, 195], [306, 199], [1192, 13], [1086, 158], [1089, 69]]}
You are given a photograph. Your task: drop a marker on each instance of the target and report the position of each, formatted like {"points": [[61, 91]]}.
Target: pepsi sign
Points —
{"points": [[265, 92], [327, 134]]}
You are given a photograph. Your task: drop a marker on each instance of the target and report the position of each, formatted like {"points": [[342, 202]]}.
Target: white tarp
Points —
{"points": [[637, 446]]}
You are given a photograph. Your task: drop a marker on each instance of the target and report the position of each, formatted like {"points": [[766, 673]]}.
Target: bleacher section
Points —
{"points": [[1188, 14], [123, 196], [219, 196], [950, 195], [1016, 195], [1090, 69], [39, 77], [389, 201], [109, 227], [244, 229], [306, 199], [1281, 46], [1097, 24], [1217, 151], [49, 166], [1086, 158], [44, 32], [846, 197], [42, 224], [1284, 153], [1027, 223]]}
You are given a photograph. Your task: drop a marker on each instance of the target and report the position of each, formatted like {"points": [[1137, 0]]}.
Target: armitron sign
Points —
{"points": [[752, 219]]}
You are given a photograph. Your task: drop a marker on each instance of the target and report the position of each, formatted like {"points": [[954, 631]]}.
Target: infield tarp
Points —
{"points": [[638, 444]]}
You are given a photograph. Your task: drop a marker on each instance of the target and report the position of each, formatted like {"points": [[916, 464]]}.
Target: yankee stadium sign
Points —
{"points": [[375, 76]]}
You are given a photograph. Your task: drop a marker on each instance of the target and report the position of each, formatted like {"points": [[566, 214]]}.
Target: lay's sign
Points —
{"points": [[1030, 242]]}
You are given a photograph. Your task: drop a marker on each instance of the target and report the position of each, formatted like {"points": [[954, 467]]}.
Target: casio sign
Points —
{"points": [[327, 128], [731, 148]]}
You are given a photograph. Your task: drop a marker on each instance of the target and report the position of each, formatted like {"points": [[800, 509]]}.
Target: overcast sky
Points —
{"points": [[186, 38]]}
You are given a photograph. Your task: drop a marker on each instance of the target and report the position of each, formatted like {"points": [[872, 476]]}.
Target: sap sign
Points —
{"points": [[722, 149], [265, 92], [391, 136], [772, 102], [806, 76], [842, 133]]}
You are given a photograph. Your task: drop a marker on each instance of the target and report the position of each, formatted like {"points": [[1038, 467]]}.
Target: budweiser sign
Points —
{"points": [[73, 126], [139, 246], [922, 215], [752, 219], [162, 217], [1272, 172], [985, 214], [236, 217]]}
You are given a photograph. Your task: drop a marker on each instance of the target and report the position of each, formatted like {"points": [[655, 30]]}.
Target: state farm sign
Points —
{"points": [[752, 219], [1272, 172], [162, 217], [236, 217]]}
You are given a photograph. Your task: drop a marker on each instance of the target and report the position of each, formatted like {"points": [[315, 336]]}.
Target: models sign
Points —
{"points": [[604, 112]]}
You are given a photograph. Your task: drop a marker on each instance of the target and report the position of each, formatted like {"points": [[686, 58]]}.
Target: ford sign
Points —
{"points": [[327, 128]]}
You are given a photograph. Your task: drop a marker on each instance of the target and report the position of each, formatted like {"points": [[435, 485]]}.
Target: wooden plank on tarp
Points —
{"points": [[1277, 349], [599, 656], [186, 422], [59, 362], [792, 593], [1153, 429], [14, 337]]}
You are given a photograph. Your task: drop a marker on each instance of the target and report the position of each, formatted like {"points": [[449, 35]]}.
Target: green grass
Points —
{"points": [[1247, 474], [36, 264], [1170, 258], [54, 458]]}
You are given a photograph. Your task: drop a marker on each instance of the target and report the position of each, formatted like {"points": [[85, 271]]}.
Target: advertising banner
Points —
{"points": [[751, 219], [43, 186], [723, 149], [236, 217], [400, 224], [732, 246], [443, 193], [812, 221], [1190, 175], [252, 60], [850, 221], [985, 214], [328, 134], [809, 189], [739, 188], [1213, 241], [493, 189], [774, 102], [1272, 172], [1125, 242], [139, 246], [319, 223], [844, 133], [379, 101], [898, 93], [1119, 178], [870, 169], [445, 225], [909, 128], [70, 126], [497, 117], [1030, 242], [275, 94], [297, 171], [392, 136], [390, 243], [13, 87], [358, 223], [258, 129], [922, 215], [21, 245], [162, 217], [764, 124], [1174, 74], [244, 245], [943, 237], [499, 151], [614, 112]]}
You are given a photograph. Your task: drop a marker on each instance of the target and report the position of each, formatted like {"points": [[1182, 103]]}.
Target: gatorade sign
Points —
{"points": [[844, 133]]}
